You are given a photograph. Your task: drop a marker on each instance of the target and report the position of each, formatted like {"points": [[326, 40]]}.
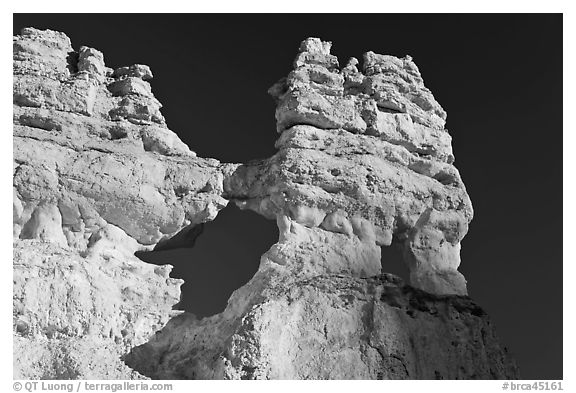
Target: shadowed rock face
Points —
{"points": [[334, 327], [363, 160]]}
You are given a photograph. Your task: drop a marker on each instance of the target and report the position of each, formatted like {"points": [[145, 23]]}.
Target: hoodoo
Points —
{"points": [[363, 160]]}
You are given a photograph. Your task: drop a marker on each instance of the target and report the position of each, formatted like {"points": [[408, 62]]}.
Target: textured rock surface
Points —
{"points": [[363, 160], [97, 176], [67, 306], [364, 154], [335, 327]]}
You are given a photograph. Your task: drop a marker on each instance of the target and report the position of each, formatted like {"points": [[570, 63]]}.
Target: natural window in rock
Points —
{"points": [[393, 261], [224, 257]]}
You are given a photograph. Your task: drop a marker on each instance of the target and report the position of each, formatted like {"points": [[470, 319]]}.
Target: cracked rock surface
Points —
{"points": [[363, 160]]}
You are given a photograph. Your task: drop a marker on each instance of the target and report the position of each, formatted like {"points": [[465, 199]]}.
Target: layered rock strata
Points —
{"points": [[363, 161], [97, 176], [366, 154]]}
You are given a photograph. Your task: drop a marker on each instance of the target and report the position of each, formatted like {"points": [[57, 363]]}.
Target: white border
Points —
{"points": [[418, 6]]}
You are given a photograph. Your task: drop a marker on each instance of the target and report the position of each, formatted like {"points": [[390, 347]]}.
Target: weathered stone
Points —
{"points": [[92, 309], [136, 70], [130, 85], [332, 327], [363, 161], [91, 61], [395, 176], [90, 189]]}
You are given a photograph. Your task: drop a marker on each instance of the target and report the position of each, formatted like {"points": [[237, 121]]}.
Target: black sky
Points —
{"points": [[499, 77]]}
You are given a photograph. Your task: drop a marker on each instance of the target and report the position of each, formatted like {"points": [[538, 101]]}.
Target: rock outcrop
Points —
{"points": [[366, 154], [97, 176], [332, 327], [363, 161]]}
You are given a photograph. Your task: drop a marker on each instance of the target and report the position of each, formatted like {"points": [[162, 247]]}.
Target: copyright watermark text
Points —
{"points": [[85, 386]]}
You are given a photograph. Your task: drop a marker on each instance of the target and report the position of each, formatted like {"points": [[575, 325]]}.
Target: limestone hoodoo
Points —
{"points": [[363, 161]]}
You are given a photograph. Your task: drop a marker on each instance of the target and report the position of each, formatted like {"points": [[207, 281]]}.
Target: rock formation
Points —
{"points": [[363, 161], [97, 176]]}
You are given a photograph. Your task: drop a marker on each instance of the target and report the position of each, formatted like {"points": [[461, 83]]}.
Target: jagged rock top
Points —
{"points": [[50, 75], [387, 100], [92, 149], [364, 154], [364, 161], [361, 153]]}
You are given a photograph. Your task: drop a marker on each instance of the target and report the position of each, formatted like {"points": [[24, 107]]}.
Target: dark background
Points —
{"points": [[499, 77]]}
